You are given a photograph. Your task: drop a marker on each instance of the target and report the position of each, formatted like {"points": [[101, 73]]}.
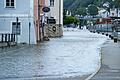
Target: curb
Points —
{"points": [[97, 70], [20, 48]]}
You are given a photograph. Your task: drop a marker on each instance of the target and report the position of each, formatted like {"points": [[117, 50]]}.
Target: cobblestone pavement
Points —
{"points": [[110, 69]]}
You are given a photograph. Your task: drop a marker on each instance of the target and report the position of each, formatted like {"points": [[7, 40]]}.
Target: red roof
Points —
{"points": [[104, 21]]}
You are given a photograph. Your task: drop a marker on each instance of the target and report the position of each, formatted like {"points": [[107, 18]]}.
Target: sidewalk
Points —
{"points": [[110, 69]]}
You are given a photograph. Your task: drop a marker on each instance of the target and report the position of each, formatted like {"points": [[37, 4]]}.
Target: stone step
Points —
{"points": [[3, 44]]}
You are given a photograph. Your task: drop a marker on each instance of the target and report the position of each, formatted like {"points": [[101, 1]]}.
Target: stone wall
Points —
{"points": [[53, 30]]}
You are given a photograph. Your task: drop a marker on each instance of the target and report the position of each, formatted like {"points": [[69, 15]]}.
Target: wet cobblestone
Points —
{"points": [[60, 57]]}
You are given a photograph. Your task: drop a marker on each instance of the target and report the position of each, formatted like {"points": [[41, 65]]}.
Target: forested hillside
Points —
{"points": [[81, 5]]}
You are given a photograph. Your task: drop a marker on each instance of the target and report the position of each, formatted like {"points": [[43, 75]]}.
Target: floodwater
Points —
{"points": [[74, 54]]}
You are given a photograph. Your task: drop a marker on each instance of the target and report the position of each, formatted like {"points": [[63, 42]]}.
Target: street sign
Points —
{"points": [[46, 9]]}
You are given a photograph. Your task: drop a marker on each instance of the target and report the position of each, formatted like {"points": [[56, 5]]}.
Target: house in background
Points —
{"points": [[23, 11], [68, 13], [105, 22]]}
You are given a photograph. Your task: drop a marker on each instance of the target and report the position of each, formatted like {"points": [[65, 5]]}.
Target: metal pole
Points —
{"points": [[107, 23], [43, 24], [117, 23], [17, 19], [39, 20], [59, 15], [29, 32]]}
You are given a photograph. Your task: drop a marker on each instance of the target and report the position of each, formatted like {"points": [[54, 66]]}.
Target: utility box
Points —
{"points": [[53, 30]]}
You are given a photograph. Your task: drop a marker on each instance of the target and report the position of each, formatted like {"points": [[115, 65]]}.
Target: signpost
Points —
{"points": [[45, 10]]}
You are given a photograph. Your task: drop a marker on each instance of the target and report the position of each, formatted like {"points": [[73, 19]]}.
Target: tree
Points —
{"points": [[81, 11], [64, 13], [70, 20], [97, 3], [117, 3], [92, 10]]}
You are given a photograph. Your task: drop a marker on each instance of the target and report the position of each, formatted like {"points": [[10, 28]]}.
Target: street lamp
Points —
{"points": [[115, 28], [107, 5]]}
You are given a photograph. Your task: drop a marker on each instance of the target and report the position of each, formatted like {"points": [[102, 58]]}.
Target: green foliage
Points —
{"points": [[77, 5], [64, 13], [97, 3], [83, 22], [92, 10], [70, 20], [117, 3], [81, 11]]}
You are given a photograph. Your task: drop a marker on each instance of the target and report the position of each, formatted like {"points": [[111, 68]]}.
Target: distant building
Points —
{"points": [[23, 10], [68, 13], [113, 13]]}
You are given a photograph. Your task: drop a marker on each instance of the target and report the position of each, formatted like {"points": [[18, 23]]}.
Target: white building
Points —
{"points": [[103, 13], [68, 13], [10, 10], [113, 13], [56, 12]]}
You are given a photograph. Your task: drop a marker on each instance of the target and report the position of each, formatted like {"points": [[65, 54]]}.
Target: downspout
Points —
{"points": [[59, 15], [39, 20]]}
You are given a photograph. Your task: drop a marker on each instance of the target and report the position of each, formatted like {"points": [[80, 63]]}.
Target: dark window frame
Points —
{"points": [[10, 3], [52, 3], [15, 29]]}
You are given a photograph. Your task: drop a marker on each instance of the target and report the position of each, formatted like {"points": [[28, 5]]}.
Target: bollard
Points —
{"points": [[109, 36], [2, 38], [112, 37], [106, 34], [115, 40]]}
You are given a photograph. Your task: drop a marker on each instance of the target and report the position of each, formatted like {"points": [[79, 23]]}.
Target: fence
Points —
{"points": [[7, 40]]}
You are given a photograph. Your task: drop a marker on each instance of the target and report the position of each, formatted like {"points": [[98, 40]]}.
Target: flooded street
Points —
{"points": [[74, 54]]}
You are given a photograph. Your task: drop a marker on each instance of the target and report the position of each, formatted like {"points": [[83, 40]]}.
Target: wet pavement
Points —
{"points": [[110, 69], [71, 57]]}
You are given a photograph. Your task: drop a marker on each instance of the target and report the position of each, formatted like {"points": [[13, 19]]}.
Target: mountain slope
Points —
{"points": [[73, 4]]}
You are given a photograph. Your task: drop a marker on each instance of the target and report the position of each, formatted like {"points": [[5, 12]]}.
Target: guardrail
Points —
{"points": [[7, 40], [112, 32]]}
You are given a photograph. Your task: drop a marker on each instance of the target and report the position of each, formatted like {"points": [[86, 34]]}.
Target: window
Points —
{"points": [[16, 29], [51, 3], [10, 3]]}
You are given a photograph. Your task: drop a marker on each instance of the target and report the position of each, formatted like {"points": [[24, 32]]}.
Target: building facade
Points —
{"points": [[13, 10], [54, 18]]}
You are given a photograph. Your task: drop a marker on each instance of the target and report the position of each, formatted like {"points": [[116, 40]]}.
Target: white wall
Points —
{"points": [[24, 11], [55, 10]]}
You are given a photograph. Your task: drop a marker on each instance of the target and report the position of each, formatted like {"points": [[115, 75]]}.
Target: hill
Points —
{"points": [[73, 5]]}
